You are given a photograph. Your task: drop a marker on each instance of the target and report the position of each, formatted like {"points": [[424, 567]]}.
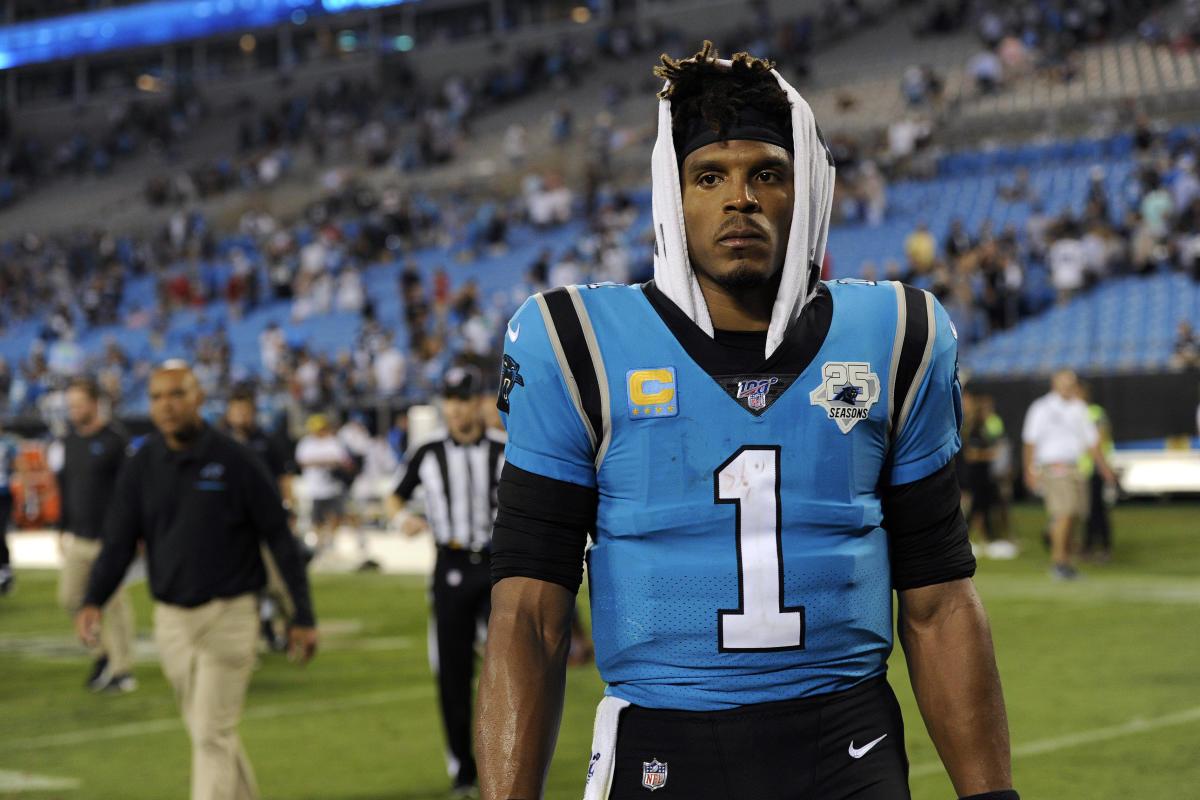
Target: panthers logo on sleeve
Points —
{"points": [[510, 377]]}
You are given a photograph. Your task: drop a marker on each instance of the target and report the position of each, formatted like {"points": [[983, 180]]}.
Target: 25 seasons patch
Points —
{"points": [[848, 390]]}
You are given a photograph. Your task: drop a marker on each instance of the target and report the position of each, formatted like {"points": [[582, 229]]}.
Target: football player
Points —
{"points": [[759, 459]]}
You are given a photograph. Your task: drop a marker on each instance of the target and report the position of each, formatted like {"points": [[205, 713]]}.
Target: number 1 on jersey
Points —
{"points": [[749, 480]]}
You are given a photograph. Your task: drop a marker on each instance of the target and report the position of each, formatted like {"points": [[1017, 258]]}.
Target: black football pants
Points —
{"points": [[842, 746], [462, 591]]}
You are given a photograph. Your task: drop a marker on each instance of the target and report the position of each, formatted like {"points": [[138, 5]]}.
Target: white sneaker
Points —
{"points": [[119, 684]]}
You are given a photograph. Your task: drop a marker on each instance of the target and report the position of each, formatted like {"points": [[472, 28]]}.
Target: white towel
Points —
{"points": [[604, 748], [814, 178]]}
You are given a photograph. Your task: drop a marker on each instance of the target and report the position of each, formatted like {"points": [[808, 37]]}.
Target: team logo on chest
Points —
{"points": [[847, 391], [654, 774]]}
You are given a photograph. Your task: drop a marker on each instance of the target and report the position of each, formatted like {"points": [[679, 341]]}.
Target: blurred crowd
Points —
{"points": [[1044, 38], [130, 290], [1150, 224]]}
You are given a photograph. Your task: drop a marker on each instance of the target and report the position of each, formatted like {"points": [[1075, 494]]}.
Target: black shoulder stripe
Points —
{"points": [[578, 356], [912, 353]]}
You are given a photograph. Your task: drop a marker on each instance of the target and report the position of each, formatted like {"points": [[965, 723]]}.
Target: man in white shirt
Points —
{"points": [[389, 368], [1068, 264], [1056, 433], [322, 458]]}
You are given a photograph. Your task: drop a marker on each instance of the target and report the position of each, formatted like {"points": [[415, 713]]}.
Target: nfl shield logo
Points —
{"points": [[755, 391], [654, 774]]}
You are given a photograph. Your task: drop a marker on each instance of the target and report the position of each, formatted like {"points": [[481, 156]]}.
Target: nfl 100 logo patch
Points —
{"points": [[654, 774], [754, 391]]}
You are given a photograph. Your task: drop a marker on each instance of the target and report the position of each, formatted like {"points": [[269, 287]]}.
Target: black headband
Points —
{"points": [[753, 124]]}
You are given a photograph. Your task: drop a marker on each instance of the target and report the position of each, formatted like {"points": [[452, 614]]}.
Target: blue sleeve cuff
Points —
{"points": [[926, 465], [549, 467]]}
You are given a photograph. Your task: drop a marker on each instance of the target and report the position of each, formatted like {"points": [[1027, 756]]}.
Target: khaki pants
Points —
{"points": [[116, 629], [1065, 494], [208, 656]]}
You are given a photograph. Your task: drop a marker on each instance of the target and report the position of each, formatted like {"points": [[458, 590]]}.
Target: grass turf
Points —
{"points": [[1100, 676]]}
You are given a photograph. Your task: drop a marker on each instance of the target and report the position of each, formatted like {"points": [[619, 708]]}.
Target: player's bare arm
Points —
{"points": [[521, 686], [952, 665]]}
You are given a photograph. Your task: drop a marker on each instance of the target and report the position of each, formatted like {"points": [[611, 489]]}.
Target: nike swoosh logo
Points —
{"points": [[514, 333], [859, 752]]}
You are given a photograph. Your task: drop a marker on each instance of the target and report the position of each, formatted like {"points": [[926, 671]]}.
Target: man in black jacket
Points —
{"points": [[93, 454], [202, 503]]}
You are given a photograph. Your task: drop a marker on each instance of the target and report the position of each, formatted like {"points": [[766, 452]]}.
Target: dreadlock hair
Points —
{"points": [[700, 87]]}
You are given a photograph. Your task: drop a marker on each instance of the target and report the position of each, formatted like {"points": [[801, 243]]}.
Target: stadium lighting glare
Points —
{"points": [[581, 14], [347, 41], [403, 43], [155, 22], [247, 43]]}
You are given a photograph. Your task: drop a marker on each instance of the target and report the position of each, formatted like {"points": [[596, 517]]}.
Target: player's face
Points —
{"points": [[175, 399], [239, 415], [81, 408], [737, 211]]}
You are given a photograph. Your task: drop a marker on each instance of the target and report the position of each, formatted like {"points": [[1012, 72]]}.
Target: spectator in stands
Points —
{"points": [[1066, 260], [920, 248], [1020, 190], [272, 347], [326, 472], [986, 70], [958, 242], [1186, 351], [1157, 206], [1056, 433]]}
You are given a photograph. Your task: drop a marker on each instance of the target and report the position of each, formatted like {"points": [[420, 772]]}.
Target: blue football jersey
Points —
{"points": [[737, 553]]}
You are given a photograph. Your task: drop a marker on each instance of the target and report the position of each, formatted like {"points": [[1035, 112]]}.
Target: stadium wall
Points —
{"points": [[1139, 406]]}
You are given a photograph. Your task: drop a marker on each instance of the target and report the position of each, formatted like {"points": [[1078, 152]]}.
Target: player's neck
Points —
{"points": [[739, 310]]}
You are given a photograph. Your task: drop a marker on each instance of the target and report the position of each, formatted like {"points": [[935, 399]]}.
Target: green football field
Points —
{"points": [[1102, 678]]}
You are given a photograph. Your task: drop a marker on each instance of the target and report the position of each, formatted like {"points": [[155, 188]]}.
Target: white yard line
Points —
{"points": [[1095, 587], [167, 724], [1135, 725], [11, 781]]}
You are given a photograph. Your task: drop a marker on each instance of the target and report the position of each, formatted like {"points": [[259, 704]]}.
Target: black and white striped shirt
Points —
{"points": [[460, 488]]}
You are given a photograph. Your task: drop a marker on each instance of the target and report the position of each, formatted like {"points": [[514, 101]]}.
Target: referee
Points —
{"points": [[93, 454], [202, 503], [459, 470]]}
